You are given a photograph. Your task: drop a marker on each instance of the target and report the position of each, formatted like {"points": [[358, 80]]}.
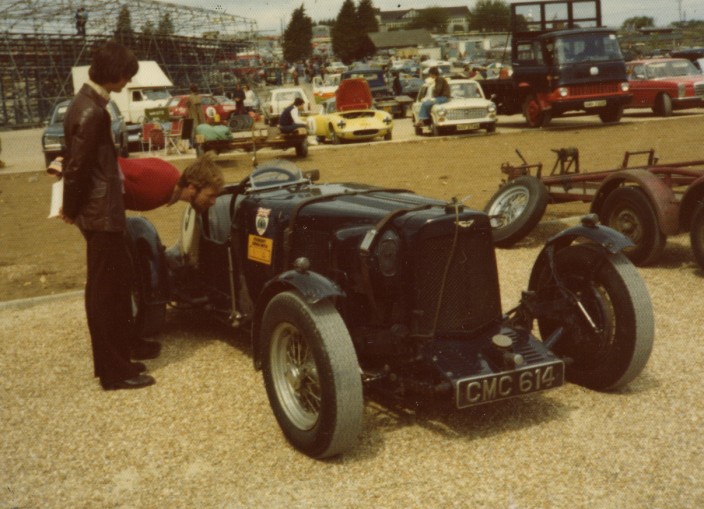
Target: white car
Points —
{"points": [[336, 68], [467, 109], [279, 98], [324, 89]]}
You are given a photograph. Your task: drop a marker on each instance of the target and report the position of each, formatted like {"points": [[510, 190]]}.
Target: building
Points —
{"points": [[458, 19]]}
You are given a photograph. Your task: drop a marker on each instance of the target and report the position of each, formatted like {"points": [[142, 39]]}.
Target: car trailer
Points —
{"points": [[645, 202]]}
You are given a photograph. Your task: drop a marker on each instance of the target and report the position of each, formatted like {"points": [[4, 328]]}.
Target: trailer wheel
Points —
{"points": [[663, 105], [696, 233], [515, 209], [302, 148], [628, 210], [534, 114], [611, 114]]}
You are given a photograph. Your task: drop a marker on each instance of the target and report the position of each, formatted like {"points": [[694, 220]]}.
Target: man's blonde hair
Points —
{"points": [[203, 172]]}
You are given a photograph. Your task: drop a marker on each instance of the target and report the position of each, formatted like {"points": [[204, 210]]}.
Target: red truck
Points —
{"points": [[563, 60]]}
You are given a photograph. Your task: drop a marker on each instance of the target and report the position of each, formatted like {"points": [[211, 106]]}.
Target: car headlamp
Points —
{"points": [[625, 86], [441, 112], [387, 251], [491, 108], [563, 91]]}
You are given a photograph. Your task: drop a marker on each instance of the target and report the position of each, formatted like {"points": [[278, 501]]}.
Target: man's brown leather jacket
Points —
{"points": [[92, 181]]}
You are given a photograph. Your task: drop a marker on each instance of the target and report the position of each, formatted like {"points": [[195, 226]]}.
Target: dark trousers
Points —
{"points": [[108, 305]]}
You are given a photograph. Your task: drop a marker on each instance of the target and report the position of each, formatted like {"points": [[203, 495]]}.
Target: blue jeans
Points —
{"points": [[424, 113]]}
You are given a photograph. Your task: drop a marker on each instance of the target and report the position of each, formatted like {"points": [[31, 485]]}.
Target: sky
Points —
{"points": [[272, 15]]}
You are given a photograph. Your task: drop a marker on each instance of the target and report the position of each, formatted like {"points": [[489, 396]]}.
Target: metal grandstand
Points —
{"points": [[39, 45]]}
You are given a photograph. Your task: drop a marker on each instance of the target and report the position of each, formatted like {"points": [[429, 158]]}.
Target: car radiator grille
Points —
{"points": [[365, 132], [699, 89], [595, 89], [470, 297], [466, 113]]}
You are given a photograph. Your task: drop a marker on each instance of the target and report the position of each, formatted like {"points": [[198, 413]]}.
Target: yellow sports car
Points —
{"points": [[350, 116]]}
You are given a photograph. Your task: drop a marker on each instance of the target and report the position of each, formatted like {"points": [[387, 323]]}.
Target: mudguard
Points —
{"points": [[311, 286], [145, 244], [609, 239]]}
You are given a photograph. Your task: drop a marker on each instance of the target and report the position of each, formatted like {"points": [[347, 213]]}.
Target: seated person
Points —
{"points": [[290, 119], [441, 94]]}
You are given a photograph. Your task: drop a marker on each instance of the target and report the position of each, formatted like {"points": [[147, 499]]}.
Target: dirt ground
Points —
{"points": [[40, 256]]}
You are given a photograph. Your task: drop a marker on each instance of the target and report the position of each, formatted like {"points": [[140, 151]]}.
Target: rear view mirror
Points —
{"points": [[312, 175]]}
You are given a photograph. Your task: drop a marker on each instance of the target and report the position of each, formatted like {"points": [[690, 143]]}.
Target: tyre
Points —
{"points": [[320, 139], [418, 130], [607, 288], [491, 128], [302, 148], [311, 375], [147, 318], [696, 233], [628, 210], [663, 105], [124, 147], [534, 114], [388, 136], [435, 130], [515, 209], [334, 138], [611, 114]]}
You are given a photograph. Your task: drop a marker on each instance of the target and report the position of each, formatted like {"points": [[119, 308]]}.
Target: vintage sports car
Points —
{"points": [[467, 110], [665, 84], [350, 116], [324, 88], [350, 287]]}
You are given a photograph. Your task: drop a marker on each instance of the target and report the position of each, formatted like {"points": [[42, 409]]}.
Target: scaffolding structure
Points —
{"points": [[39, 46]]}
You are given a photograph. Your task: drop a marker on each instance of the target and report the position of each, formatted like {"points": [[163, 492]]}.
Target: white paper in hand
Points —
{"points": [[57, 198]]}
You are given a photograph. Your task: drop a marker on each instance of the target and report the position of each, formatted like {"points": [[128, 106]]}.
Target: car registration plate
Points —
{"points": [[595, 104], [509, 384], [467, 127]]}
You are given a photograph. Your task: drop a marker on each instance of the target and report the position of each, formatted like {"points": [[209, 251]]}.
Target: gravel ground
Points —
{"points": [[204, 435]]}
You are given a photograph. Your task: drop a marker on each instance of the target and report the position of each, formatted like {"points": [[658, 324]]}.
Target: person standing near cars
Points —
{"points": [[290, 118], [195, 112], [92, 200], [441, 94], [239, 96]]}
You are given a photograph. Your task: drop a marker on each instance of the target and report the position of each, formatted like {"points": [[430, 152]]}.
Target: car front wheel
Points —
{"points": [[311, 375]]}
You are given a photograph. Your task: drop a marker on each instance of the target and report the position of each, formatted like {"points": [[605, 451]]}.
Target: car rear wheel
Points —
{"points": [[311, 375], [628, 210], [515, 209], [614, 348], [696, 233]]}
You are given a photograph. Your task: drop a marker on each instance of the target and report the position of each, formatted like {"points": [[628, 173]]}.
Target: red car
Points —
{"points": [[211, 107], [665, 84]]}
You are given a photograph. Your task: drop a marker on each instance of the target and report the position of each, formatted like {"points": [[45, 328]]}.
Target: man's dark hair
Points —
{"points": [[298, 101], [434, 71], [111, 63]]}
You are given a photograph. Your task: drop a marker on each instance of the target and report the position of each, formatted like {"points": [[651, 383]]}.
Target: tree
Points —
{"points": [[148, 28], [123, 31], [638, 22], [298, 36], [367, 23], [491, 16], [166, 26], [434, 19], [345, 33]]}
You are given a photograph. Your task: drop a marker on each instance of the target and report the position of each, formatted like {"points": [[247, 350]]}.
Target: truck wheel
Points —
{"points": [[696, 233], [663, 105], [628, 210], [534, 114], [611, 114], [311, 375], [302, 148], [607, 288], [147, 318], [515, 209]]}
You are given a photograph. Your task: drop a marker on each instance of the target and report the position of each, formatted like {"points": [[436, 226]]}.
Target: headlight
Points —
{"points": [[441, 112], [491, 108], [680, 90], [625, 86], [563, 91], [387, 253]]}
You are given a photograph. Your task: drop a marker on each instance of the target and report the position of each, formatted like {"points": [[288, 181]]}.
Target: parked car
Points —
{"points": [[215, 112], [694, 55], [411, 86], [279, 98], [349, 289], [467, 109], [336, 68], [665, 84], [324, 88], [53, 136], [382, 94], [350, 117], [406, 66]]}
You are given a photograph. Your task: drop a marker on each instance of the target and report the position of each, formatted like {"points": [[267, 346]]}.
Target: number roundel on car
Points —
{"points": [[210, 111]]}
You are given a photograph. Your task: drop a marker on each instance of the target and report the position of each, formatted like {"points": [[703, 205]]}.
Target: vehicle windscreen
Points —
{"points": [[156, 94], [588, 47], [670, 68], [374, 79], [465, 90], [288, 95], [59, 114]]}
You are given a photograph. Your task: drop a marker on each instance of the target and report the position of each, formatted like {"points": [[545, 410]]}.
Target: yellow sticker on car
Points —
{"points": [[259, 249]]}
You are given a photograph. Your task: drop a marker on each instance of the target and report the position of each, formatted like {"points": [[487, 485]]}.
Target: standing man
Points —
{"points": [[441, 94], [290, 118], [195, 112], [93, 201], [238, 96], [81, 20]]}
